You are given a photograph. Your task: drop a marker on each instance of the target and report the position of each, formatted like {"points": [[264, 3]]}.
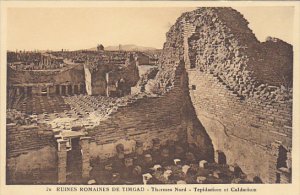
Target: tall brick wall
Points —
{"points": [[245, 108], [248, 132]]}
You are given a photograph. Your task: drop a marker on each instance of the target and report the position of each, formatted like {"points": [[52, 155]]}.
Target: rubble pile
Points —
{"points": [[19, 118], [171, 163], [145, 78]]}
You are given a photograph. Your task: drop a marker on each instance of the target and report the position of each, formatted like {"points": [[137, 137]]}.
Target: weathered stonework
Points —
{"points": [[244, 107]]}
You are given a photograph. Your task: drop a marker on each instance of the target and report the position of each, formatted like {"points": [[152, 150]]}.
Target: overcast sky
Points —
{"points": [[82, 28]]}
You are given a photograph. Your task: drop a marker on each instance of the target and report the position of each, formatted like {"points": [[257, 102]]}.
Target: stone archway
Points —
{"points": [[66, 156]]}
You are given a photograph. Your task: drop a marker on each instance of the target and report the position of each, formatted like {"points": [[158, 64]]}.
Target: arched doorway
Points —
{"points": [[74, 161], [221, 158]]}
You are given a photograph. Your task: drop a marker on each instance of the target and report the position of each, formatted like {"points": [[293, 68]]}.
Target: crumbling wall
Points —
{"points": [[237, 90], [74, 75], [224, 45], [245, 131], [147, 118], [31, 154], [95, 80]]}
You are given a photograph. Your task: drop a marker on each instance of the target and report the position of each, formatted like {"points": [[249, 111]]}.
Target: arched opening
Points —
{"points": [[282, 157], [83, 90], [63, 90], [57, 89], [69, 89], [221, 158], [75, 89], [278, 179], [74, 161]]}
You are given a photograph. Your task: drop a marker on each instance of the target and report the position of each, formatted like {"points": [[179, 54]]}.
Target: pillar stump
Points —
{"points": [[62, 161], [85, 151]]}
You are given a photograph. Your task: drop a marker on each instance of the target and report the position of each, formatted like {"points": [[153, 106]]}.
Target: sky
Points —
{"points": [[83, 28]]}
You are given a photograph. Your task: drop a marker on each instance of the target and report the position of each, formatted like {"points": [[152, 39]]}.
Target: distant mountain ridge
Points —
{"points": [[126, 47]]}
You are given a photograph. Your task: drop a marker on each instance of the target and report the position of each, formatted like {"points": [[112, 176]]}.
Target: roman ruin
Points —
{"points": [[213, 106]]}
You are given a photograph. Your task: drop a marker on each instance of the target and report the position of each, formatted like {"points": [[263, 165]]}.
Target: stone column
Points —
{"points": [[60, 89], [17, 90], [26, 91], [107, 85], [289, 160], [79, 89], [48, 91], [62, 161], [85, 151], [216, 156], [66, 90], [73, 89]]}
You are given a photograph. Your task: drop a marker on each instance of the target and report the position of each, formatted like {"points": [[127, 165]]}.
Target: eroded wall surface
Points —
{"points": [[164, 117], [241, 96], [31, 154]]}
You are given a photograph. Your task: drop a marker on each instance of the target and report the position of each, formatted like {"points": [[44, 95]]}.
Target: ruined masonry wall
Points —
{"points": [[144, 119], [29, 148], [248, 132], [240, 103]]}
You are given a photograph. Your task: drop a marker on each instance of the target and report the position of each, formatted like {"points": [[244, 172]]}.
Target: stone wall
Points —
{"points": [[31, 154], [249, 133], [95, 80], [73, 74], [224, 45], [164, 117], [241, 96]]}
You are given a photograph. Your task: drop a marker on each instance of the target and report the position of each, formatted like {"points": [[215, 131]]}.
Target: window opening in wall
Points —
{"points": [[69, 88], [193, 87], [75, 89], [63, 90], [74, 162], [57, 90], [83, 89], [282, 157]]}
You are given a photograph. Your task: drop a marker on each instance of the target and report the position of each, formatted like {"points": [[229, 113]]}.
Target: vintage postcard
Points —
{"points": [[149, 97]]}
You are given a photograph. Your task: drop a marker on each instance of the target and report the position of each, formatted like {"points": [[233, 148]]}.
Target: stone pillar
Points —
{"points": [[60, 90], [48, 91], [79, 89], [67, 89], [73, 89], [26, 91], [289, 160], [216, 156], [62, 161], [107, 84], [17, 90], [85, 151]]}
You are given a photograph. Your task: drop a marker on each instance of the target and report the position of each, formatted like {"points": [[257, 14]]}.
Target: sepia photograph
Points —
{"points": [[138, 96]]}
